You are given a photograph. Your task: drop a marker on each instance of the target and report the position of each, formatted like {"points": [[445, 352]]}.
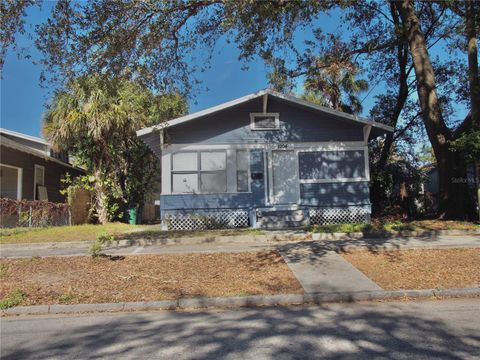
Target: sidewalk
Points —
{"points": [[227, 245]]}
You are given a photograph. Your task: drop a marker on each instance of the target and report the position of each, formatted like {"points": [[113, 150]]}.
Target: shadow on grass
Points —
{"points": [[329, 332]]}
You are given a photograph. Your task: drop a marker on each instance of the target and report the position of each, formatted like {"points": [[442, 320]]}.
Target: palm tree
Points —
{"points": [[336, 85], [95, 119]]}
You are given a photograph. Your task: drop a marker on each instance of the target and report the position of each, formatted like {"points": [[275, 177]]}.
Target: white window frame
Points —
{"points": [[36, 166], [254, 115], [196, 171], [19, 179]]}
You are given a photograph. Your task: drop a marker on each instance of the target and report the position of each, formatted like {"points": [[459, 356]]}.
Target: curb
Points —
{"points": [[392, 234], [243, 301]]}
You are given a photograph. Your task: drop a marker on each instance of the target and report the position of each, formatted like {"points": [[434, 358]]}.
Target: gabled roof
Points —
{"points": [[288, 98], [35, 152], [24, 136]]}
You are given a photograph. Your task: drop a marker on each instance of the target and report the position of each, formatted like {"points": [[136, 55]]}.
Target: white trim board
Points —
{"points": [[314, 146], [292, 99], [24, 136]]}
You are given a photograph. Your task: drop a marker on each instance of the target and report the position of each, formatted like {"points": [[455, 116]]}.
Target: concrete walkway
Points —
{"points": [[326, 272]]}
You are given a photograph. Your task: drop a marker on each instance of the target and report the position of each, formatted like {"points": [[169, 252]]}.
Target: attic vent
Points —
{"points": [[268, 121]]}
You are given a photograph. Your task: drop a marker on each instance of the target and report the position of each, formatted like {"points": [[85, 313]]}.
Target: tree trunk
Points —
{"points": [[101, 205], [451, 198], [474, 81]]}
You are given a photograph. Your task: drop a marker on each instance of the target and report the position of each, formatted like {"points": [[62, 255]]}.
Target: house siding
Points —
{"points": [[53, 172], [232, 125], [335, 194]]}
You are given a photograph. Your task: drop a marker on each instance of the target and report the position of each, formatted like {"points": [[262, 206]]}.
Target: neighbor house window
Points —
{"points": [[242, 170], [39, 180], [10, 182], [260, 121], [203, 172]]}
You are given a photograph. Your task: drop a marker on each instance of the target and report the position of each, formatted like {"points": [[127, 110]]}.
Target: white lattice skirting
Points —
{"points": [[344, 215], [207, 220]]}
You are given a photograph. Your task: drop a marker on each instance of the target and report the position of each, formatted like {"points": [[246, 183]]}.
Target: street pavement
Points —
{"points": [[448, 329]]}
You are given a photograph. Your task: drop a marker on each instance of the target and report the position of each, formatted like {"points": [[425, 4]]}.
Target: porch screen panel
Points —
{"points": [[331, 165]]}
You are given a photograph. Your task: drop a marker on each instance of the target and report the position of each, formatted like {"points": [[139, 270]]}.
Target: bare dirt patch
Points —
{"points": [[419, 269], [74, 280]]}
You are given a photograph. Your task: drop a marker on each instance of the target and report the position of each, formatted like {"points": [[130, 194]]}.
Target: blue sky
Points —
{"points": [[23, 99]]}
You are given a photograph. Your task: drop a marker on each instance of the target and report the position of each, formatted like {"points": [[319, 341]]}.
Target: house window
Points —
{"points": [[213, 174], [185, 172], [39, 180], [203, 172], [260, 121], [242, 170]]}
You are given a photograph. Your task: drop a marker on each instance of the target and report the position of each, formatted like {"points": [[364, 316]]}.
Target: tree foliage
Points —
{"points": [[12, 21], [95, 118]]}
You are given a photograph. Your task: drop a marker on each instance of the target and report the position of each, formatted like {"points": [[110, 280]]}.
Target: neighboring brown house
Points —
{"points": [[30, 169]]}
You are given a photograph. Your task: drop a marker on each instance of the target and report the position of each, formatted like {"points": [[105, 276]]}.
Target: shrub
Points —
{"points": [[95, 249], [105, 238], [102, 238]]}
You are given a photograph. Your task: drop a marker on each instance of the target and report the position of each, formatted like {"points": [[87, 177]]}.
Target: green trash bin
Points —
{"points": [[132, 216]]}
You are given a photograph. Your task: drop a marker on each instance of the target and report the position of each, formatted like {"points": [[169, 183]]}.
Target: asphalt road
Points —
{"points": [[448, 329]]}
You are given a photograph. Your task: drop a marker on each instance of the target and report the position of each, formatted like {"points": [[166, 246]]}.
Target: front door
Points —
{"points": [[284, 183]]}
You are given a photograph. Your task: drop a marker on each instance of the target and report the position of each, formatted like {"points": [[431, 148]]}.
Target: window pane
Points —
{"points": [[213, 182], [184, 183], [242, 181], [184, 161], [39, 176], [213, 160], [264, 122], [242, 160], [9, 182]]}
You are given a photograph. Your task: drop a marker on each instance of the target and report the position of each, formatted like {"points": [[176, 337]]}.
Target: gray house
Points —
{"points": [[263, 160]]}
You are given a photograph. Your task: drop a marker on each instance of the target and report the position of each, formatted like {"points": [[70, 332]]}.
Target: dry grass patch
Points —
{"points": [[74, 280], [419, 269]]}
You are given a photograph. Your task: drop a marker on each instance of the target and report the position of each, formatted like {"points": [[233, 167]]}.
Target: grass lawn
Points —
{"points": [[119, 230], [384, 227], [65, 233], [71, 280], [419, 269]]}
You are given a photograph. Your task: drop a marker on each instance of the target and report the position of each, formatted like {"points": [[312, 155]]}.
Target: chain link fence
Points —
{"points": [[25, 213]]}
